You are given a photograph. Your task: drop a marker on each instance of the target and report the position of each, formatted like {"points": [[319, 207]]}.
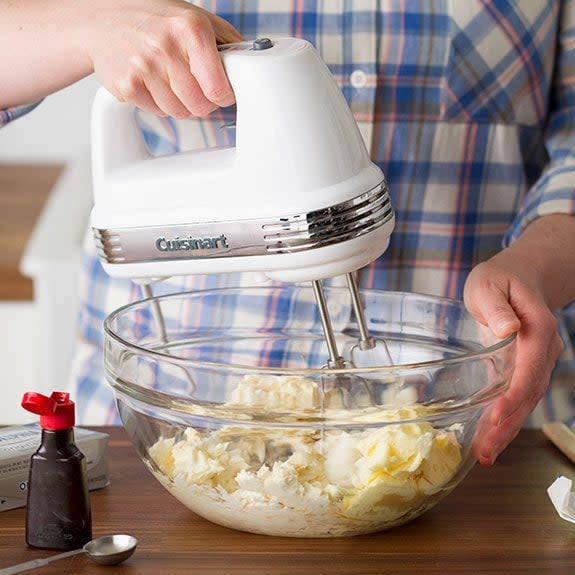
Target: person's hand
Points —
{"points": [[160, 56], [505, 294]]}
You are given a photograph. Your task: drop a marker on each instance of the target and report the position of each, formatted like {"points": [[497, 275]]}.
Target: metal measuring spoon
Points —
{"points": [[107, 550]]}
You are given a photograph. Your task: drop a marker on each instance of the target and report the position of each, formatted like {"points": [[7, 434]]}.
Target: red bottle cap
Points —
{"points": [[56, 412]]}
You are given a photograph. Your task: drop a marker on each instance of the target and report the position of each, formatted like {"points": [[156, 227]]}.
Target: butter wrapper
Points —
{"points": [[563, 498], [17, 444]]}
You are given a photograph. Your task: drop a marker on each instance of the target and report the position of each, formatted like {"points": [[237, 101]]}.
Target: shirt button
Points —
{"points": [[358, 79]]}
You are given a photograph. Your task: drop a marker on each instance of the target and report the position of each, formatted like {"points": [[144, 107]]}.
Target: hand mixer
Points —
{"points": [[297, 198]]}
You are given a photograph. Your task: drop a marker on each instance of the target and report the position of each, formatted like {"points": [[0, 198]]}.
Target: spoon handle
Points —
{"points": [[27, 565]]}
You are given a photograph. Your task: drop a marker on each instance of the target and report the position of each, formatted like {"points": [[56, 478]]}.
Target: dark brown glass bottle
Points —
{"points": [[58, 509]]}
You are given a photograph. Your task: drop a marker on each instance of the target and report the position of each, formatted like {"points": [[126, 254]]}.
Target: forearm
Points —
{"points": [[42, 48], [546, 253]]}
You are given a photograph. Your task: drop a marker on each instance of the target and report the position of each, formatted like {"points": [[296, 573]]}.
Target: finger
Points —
{"points": [[527, 385], [168, 77], [496, 439], [224, 31], [206, 66], [490, 306], [158, 85], [558, 345], [537, 352], [136, 93], [187, 89]]}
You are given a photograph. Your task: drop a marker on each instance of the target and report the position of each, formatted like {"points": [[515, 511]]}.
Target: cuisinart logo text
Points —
{"points": [[189, 244]]}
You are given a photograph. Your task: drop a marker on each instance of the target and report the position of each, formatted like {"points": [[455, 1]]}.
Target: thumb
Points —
{"points": [[490, 306]]}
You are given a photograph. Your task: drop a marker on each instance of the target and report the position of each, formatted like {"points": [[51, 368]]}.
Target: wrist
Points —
{"points": [[519, 265], [543, 257]]}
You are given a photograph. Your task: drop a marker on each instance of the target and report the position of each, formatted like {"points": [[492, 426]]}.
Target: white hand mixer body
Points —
{"points": [[298, 198]]}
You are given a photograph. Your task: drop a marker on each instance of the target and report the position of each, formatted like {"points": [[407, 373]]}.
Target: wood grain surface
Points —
{"points": [[23, 192], [498, 521]]}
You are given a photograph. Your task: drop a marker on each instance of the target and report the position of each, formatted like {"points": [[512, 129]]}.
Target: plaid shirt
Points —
{"points": [[467, 106]]}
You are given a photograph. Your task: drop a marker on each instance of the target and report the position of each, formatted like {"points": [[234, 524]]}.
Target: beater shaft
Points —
{"points": [[335, 360], [157, 312], [365, 341]]}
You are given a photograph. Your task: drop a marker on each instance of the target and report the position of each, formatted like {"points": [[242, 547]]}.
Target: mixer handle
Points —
{"points": [[116, 137], [285, 97]]}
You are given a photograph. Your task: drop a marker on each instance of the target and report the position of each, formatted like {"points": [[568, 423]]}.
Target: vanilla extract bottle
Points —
{"points": [[58, 509]]}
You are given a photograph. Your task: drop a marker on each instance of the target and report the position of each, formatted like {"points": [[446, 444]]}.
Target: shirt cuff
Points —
{"points": [[554, 193], [9, 114]]}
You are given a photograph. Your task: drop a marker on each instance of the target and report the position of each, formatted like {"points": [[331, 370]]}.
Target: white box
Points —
{"points": [[19, 443]]}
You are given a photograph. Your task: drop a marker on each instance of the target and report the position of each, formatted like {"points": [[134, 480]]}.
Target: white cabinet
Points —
{"points": [[36, 339]]}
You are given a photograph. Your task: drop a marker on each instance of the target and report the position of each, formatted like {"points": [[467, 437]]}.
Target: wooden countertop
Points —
{"points": [[23, 192], [498, 521]]}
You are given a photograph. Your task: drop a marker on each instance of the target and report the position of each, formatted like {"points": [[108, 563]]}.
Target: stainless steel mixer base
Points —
{"points": [[285, 234]]}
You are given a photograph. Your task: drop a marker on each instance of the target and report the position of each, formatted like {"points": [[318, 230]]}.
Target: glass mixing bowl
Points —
{"points": [[226, 399]]}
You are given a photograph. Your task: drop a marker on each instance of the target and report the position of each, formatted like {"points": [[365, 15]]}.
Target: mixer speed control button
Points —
{"points": [[262, 44]]}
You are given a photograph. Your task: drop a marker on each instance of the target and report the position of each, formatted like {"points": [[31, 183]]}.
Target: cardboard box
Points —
{"points": [[17, 444]]}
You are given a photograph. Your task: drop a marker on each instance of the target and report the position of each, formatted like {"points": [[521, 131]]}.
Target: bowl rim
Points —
{"points": [[316, 371]]}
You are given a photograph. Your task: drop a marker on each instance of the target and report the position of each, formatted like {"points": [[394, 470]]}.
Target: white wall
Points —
{"points": [[18, 359], [55, 131]]}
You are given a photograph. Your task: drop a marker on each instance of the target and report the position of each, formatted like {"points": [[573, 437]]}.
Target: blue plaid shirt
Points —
{"points": [[469, 109]]}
